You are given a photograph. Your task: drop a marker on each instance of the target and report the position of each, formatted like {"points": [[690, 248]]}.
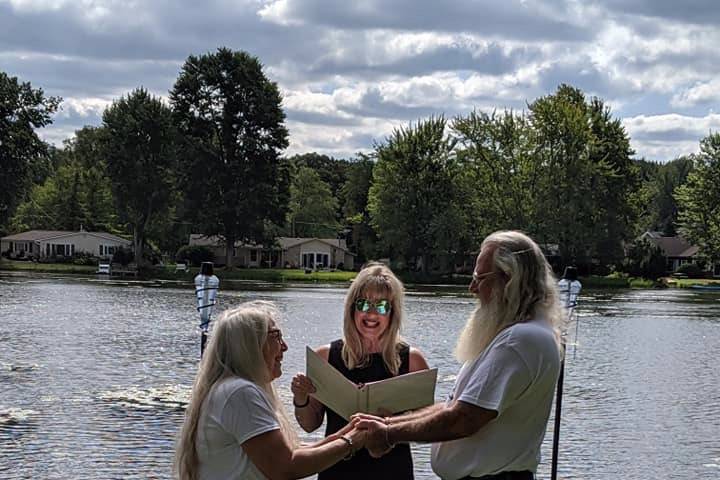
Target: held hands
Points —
{"points": [[376, 440], [301, 387]]}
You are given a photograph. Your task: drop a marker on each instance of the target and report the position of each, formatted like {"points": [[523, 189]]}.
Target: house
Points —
{"points": [[41, 244], [677, 251], [289, 252]]}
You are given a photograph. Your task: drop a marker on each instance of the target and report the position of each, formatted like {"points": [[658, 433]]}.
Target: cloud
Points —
{"points": [[703, 93], [669, 136]]}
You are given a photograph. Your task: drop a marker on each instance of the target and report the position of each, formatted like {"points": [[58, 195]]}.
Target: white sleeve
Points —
{"points": [[248, 413], [498, 380]]}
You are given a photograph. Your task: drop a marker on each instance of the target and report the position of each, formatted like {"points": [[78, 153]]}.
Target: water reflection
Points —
{"points": [[93, 376]]}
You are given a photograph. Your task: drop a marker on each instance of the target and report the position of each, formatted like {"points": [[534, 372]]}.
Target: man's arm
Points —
{"points": [[437, 423], [458, 420]]}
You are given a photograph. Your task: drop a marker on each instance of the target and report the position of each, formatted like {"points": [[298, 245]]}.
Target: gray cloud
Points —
{"points": [[509, 19], [702, 12]]}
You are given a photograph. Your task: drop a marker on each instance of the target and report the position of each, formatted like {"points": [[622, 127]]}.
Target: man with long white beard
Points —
{"points": [[493, 423]]}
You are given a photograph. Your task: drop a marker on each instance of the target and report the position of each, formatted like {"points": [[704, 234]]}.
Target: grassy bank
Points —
{"points": [[69, 268], [255, 274]]}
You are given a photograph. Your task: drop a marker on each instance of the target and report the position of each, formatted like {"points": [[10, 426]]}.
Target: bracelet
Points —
{"points": [[303, 405], [349, 441]]}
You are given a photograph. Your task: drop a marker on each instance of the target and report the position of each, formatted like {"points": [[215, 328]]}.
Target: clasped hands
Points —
{"points": [[366, 430]]}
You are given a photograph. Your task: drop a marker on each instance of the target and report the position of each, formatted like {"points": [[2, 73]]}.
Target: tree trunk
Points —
{"points": [[229, 246], [138, 244]]}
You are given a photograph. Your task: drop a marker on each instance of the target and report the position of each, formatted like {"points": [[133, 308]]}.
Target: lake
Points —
{"points": [[93, 375]]}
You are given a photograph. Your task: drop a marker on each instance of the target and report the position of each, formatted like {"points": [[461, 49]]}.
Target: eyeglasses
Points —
{"points": [[477, 278], [276, 333], [382, 307]]}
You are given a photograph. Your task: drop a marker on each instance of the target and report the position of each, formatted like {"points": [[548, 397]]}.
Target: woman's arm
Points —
{"points": [[309, 413], [285, 463]]}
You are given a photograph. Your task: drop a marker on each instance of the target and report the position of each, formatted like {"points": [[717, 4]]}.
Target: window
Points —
{"points": [[253, 256], [315, 260]]}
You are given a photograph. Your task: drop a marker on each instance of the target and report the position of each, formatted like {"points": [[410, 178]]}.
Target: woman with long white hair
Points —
{"points": [[371, 349], [235, 425]]}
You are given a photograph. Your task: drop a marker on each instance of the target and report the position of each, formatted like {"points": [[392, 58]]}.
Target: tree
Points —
{"points": [[497, 153], [644, 259], [233, 131], [699, 199], [140, 153], [22, 153], [354, 204], [331, 170], [417, 200], [76, 195], [312, 206]]}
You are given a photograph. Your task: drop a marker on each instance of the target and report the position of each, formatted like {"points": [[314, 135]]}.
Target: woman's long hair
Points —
{"points": [[530, 291], [379, 281], [235, 349]]}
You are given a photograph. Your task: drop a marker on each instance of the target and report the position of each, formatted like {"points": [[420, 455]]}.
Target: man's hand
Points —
{"points": [[376, 440]]}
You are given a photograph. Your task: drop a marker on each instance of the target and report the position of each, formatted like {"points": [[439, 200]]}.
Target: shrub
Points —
{"points": [[644, 259], [84, 258], [692, 270], [123, 256], [194, 255]]}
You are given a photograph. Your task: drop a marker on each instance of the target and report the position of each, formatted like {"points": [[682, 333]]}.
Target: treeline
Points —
{"points": [[211, 161]]}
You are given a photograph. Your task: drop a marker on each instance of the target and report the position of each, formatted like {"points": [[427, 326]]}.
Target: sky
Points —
{"points": [[353, 71]]}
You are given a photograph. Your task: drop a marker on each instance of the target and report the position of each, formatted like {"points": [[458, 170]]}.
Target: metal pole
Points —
{"points": [[558, 411]]}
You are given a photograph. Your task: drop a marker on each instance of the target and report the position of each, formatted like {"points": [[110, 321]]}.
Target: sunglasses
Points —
{"points": [[480, 277], [382, 307]]}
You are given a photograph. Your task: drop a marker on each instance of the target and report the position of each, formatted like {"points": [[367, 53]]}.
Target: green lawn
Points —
{"points": [[16, 265], [264, 275]]}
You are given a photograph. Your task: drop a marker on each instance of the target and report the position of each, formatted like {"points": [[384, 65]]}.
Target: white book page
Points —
{"points": [[332, 388], [404, 392]]}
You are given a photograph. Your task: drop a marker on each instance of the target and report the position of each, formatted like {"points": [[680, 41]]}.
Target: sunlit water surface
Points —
{"points": [[94, 376]]}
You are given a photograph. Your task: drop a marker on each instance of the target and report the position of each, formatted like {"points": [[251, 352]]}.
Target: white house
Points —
{"points": [[51, 244], [290, 252]]}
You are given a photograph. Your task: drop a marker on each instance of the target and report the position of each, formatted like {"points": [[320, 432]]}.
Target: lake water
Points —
{"points": [[93, 375]]}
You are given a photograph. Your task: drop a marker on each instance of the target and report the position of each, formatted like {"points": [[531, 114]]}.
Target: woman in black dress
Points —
{"points": [[371, 349]]}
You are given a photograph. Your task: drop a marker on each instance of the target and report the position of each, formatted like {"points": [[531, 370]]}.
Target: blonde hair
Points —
{"points": [[530, 291], [235, 349], [375, 279]]}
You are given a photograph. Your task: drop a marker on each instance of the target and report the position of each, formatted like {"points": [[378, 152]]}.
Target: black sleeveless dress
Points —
{"points": [[397, 464]]}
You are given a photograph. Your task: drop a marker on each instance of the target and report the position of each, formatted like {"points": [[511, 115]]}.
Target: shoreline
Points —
{"points": [[273, 278]]}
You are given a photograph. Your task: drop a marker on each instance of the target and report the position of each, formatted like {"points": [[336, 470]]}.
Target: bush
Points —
{"points": [[85, 258], [194, 255], [692, 270], [123, 256], [644, 259]]}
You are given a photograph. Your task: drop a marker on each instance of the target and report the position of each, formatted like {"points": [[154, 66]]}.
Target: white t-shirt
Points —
{"points": [[515, 376], [234, 411]]}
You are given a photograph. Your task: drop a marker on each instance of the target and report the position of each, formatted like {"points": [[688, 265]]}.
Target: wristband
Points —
{"points": [[303, 405]]}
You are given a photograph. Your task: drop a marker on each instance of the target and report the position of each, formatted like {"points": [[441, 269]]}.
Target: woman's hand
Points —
{"points": [[301, 387]]}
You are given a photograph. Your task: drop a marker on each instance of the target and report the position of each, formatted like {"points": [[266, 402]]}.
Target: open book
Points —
{"points": [[396, 394]]}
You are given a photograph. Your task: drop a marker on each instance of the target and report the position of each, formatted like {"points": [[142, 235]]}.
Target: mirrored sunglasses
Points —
{"points": [[382, 307]]}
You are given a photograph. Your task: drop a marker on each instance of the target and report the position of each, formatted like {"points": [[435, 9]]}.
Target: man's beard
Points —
{"points": [[480, 329]]}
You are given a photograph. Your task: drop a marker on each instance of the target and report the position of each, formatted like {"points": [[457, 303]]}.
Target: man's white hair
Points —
{"points": [[524, 288]]}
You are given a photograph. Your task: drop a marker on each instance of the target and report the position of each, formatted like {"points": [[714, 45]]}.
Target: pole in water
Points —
{"points": [[206, 287], [569, 288], [558, 412]]}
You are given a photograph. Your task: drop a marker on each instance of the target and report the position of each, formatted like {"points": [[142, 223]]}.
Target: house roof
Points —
{"points": [[285, 242], [672, 246], [40, 235]]}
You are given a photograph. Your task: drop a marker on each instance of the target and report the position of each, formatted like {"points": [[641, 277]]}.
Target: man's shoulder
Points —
{"points": [[536, 331]]}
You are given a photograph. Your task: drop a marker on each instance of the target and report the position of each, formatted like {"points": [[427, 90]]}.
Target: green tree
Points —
{"points": [[615, 185], [644, 259], [332, 171], [699, 199], [139, 150], [23, 155], [417, 199], [76, 195], [354, 204], [497, 153], [233, 130], [312, 206]]}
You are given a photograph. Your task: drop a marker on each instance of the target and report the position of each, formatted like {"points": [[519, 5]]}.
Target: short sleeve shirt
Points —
{"points": [[515, 376], [235, 411]]}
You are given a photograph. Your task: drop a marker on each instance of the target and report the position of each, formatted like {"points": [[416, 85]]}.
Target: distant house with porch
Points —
{"points": [[44, 244], [677, 251], [289, 252]]}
